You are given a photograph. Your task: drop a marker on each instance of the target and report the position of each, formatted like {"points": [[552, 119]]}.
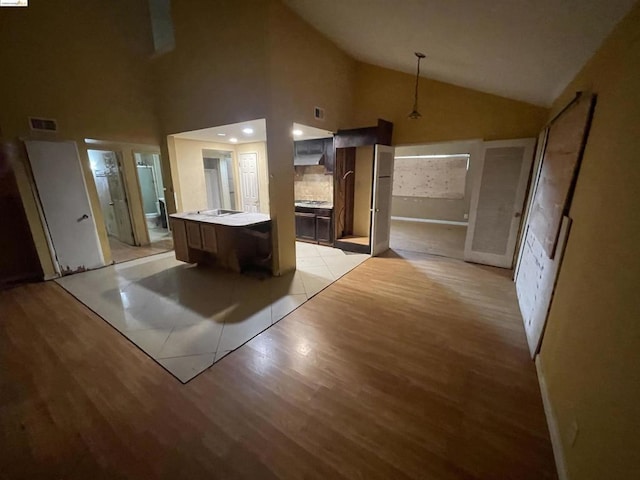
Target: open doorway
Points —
{"points": [[130, 191], [354, 176], [106, 168], [219, 179], [152, 191], [431, 197]]}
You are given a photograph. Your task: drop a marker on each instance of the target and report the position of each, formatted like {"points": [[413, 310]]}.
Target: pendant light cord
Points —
{"points": [[415, 98]]}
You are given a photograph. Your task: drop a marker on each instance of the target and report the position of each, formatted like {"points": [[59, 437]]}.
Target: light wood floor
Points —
{"points": [[405, 368], [433, 238], [121, 252]]}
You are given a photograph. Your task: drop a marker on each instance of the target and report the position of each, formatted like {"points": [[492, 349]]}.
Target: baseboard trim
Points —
{"points": [[427, 220], [552, 424]]}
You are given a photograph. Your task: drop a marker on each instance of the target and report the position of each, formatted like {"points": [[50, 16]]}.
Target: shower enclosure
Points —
{"points": [[152, 192]]}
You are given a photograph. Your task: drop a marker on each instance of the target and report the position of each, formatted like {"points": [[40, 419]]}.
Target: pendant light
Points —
{"points": [[415, 114]]}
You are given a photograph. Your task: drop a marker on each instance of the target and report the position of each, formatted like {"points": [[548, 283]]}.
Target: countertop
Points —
{"points": [[313, 204], [242, 219]]}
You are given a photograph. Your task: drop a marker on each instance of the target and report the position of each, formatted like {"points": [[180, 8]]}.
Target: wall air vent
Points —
{"points": [[318, 113], [43, 124]]}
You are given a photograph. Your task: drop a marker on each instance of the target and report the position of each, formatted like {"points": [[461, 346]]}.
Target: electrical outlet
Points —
{"points": [[466, 216]]}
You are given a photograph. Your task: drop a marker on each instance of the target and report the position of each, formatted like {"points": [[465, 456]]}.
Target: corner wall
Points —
{"points": [[305, 70], [590, 354]]}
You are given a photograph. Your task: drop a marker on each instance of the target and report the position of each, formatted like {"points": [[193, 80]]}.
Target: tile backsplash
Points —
{"points": [[311, 183]]}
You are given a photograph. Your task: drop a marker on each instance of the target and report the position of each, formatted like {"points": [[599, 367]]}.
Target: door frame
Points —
{"points": [[41, 213], [239, 186], [120, 159], [374, 195], [138, 221], [520, 195]]}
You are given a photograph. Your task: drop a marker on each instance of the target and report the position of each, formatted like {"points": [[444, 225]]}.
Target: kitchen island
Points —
{"points": [[234, 240]]}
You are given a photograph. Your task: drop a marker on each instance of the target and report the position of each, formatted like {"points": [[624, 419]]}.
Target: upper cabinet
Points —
{"points": [[329, 156], [315, 152]]}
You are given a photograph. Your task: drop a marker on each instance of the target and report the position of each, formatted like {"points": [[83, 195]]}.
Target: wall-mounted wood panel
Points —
{"points": [[565, 144]]}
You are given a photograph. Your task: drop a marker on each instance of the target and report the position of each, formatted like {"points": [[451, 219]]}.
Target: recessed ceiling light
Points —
{"points": [[247, 131], [222, 134], [233, 140], [297, 132]]}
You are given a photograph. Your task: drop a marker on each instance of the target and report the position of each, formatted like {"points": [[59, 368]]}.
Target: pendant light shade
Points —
{"points": [[415, 114]]}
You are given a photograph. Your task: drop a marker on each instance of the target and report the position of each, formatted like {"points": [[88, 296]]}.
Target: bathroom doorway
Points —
{"points": [[106, 167], [152, 193]]}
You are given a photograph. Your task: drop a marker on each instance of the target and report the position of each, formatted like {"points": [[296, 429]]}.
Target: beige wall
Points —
{"points": [[362, 191], [305, 70], [448, 112], [312, 183], [591, 349], [49, 72]]}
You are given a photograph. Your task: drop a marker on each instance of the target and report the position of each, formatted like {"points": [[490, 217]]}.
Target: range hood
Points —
{"points": [[308, 160]]}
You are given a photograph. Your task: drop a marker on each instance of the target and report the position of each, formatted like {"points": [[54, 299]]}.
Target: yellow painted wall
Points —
{"points": [[362, 191], [305, 70], [591, 348], [187, 171], [448, 112], [83, 63], [217, 73]]}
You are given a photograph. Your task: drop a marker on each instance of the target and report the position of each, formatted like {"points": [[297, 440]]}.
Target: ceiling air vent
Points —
{"points": [[43, 124], [318, 113]]}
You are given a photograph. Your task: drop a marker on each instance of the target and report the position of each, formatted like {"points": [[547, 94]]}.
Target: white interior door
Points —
{"points": [[249, 182], [65, 204], [497, 201], [382, 191]]}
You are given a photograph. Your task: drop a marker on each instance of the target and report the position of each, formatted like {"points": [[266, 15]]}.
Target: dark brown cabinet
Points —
{"points": [[306, 226], [323, 230], [314, 225]]}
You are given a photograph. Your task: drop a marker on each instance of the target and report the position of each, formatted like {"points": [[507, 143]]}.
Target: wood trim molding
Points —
{"points": [[552, 423]]}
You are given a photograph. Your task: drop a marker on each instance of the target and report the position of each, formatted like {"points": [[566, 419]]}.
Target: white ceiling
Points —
{"points": [[305, 132], [225, 133], [523, 49]]}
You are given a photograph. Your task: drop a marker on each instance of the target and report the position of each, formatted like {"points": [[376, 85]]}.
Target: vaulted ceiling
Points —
{"points": [[523, 49]]}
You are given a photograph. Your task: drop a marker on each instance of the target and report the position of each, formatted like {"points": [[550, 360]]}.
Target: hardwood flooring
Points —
{"points": [[406, 368], [433, 238]]}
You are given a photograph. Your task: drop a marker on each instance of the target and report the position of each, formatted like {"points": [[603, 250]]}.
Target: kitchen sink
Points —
{"points": [[217, 212]]}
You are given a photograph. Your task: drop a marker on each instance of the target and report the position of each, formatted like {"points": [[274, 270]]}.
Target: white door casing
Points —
{"points": [[381, 202], [62, 192], [248, 168], [497, 201]]}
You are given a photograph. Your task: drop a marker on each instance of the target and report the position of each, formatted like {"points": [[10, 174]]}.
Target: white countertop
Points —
{"points": [[243, 219]]}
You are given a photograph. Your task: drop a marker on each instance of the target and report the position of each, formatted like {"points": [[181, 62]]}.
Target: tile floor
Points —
{"points": [[187, 317]]}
